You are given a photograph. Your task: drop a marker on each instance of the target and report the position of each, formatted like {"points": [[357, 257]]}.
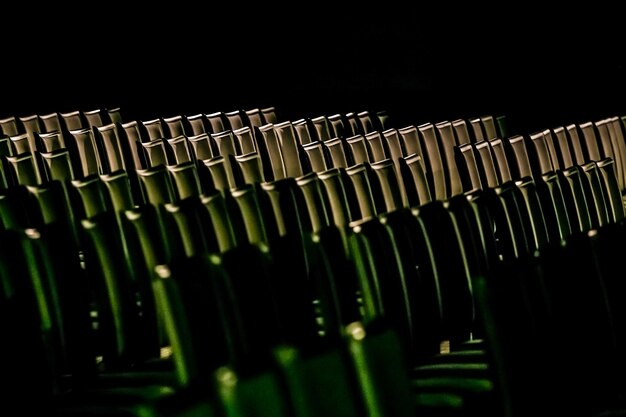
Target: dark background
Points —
{"points": [[539, 70]]}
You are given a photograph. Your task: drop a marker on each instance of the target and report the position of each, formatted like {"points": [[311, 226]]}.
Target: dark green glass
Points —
{"points": [[122, 332], [455, 281], [29, 369], [382, 278], [380, 371], [201, 317], [16, 211], [193, 226], [414, 254], [259, 394]]}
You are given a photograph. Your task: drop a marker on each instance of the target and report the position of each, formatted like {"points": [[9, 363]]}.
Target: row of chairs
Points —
{"points": [[552, 283], [127, 332], [372, 234]]}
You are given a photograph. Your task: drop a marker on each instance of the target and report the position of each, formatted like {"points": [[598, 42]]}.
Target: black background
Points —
{"points": [[539, 70]]}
